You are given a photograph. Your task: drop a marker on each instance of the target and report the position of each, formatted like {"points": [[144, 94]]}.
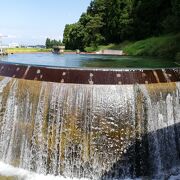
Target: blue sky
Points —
{"points": [[32, 21]]}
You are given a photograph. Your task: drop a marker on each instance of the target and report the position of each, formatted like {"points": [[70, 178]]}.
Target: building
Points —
{"points": [[14, 45]]}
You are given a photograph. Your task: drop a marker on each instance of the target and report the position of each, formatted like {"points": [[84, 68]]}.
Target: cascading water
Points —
{"points": [[90, 131]]}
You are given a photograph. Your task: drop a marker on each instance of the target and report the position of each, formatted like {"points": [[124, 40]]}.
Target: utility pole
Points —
{"points": [[1, 48], [1, 36]]}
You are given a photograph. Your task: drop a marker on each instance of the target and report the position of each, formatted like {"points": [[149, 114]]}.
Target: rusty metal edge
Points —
{"points": [[90, 76]]}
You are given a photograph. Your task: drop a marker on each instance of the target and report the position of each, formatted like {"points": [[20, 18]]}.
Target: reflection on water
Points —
{"points": [[49, 59]]}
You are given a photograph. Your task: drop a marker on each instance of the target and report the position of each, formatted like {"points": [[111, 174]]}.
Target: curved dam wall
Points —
{"points": [[91, 131], [90, 76]]}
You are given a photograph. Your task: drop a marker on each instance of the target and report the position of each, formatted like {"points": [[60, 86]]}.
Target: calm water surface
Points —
{"points": [[95, 61]]}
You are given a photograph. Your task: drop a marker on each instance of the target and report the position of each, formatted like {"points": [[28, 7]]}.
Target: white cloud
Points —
{"points": [[12, 36], [8, 36], [2, 34], [40, 37]]}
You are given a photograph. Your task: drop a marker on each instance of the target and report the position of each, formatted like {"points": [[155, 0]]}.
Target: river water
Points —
{"points": [[94, 61]]}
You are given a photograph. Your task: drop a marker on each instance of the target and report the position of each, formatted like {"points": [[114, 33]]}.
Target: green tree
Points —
{"points": [[93, 36], [48, 43], [172, 21], [113, 21], [149, 16], [73, 36], [118, 20]]}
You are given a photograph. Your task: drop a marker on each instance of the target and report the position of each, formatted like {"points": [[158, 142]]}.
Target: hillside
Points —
{"points": [[164, 46], [117, 21]]}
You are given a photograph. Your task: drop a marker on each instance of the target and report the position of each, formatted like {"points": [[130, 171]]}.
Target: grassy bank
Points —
{"points": [[167, 46], [27, 50]]}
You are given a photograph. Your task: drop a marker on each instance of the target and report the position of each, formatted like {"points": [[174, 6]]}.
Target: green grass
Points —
{"points": [[27, 50], [103, 47], [31, 50], [67, 50], [167, 46], [177, 58], [115, 46]]}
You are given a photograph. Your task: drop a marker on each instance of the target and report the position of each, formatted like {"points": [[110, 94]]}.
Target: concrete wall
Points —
{"points": [[111, 52]]}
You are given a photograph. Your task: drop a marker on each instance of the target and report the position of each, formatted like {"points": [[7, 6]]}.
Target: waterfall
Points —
{"points": [[90, 131]]}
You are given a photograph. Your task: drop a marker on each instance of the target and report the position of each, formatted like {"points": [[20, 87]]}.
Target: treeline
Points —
{"points": [[50, 43], [114, 21]]}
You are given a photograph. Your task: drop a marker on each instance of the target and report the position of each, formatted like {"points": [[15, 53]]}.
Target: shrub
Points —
{"points": [[178, 57]]}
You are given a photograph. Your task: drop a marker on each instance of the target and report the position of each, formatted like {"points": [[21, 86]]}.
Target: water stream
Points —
{"points": [[90, 131]]}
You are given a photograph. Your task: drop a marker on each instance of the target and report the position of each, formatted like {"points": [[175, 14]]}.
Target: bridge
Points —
{"points": [[58, 49]]}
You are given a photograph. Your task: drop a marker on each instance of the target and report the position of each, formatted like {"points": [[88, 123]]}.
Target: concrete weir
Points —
{"points": [[90, 76], [90, 123]]}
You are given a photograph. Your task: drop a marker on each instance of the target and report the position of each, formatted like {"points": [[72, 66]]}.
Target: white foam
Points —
{"points": [[174, 177], [10, 171]]}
